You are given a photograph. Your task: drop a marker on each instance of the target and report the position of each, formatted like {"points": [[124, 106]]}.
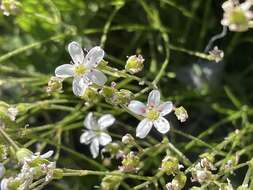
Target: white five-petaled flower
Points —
{"points": [[96, 133], [237, 16], [84, 68], [153, 113]]}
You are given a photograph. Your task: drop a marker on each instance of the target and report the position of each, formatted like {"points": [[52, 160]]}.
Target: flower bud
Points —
{"points": [[122, 97], [90, 95], [207, 161], [54, 85], [23, 154], [9, 7], [181, 114], [3, 152], [178, 182], [170, 165], [134, 64], [111, 182], [130, 163], [57, 173], [12, 112], [127, 139], [216, 54]]}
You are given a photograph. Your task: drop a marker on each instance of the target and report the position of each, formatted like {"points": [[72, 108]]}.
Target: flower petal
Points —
{"points": [[47, 154], [162, 125], [94, 147], [64, 71], [154, 98], [104, 139], [165, 108], [97, 77], [94, 57], [106, 121], [137, 107], [79, 86], [143, 128], [76, 52], [89, 121], [87, 137]]}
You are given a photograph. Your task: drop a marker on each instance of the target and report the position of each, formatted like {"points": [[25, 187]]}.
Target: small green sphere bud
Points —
{"points": [[22, 154], [134, 64], [107, 91], [179, 180]]}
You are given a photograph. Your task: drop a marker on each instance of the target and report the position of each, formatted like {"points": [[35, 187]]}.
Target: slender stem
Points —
{"points": [[8, 138]]}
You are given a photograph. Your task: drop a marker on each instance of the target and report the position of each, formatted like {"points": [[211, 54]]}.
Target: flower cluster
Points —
{"points": [[237, 16], [34, 167]]}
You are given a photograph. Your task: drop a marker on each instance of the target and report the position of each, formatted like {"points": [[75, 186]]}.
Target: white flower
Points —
{"points": [[237, 16], [153, 112], [96, 133], [84, 68]]}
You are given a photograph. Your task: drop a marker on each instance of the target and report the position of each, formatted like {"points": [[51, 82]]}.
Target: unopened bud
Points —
{"points": [[216, 54], [22, 154], [127, 139], [170, 165], [181, 114], [130, 163], [111, 182], [134, 64], [90, 95], [54, 85]]}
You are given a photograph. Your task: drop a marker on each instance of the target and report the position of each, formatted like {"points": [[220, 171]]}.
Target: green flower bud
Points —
{"points": [[90, 95], [170, 165], [22, 154], [130, 163], [122, 97], [181, 114], [128, 139], [14, 184], [111, 182], [107, 91], [3, 152], [179, 180], [54, 85], [58, 174], [134, 64]]}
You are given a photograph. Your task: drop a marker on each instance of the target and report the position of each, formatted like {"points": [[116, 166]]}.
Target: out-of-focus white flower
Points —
{"points": [[84, 68], [96, 133], [237, 16], [2, 170], [9, 7], [153, 114], [12, 112]]}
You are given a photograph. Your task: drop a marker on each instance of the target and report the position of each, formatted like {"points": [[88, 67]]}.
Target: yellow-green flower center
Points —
{"points": [[152, 114], [239, 17], [80, 69]]}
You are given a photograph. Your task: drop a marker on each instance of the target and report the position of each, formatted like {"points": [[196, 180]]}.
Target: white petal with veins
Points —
{"points": [[137, 107], [162, 125], [143, 128], [94, 57], [165, 108], [104, 139], [64, 71], [154, 98], [76, 52], [94, 147], [106, 121]]}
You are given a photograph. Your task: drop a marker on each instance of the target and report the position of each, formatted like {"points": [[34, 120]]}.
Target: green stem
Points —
{"points": [[8, 138]]}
